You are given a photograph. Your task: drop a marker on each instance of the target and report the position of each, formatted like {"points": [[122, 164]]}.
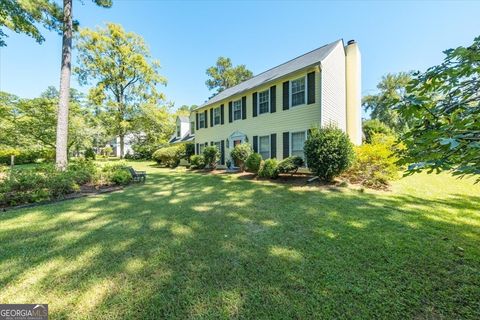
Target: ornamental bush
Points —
{"points": [[240, 154], [169, 156], [253, 162], [24, 156], [211, 156], [328, 152], [268, 169], [197, 162], [375, 163], [372, 127], [290, 164], [89, 154]]}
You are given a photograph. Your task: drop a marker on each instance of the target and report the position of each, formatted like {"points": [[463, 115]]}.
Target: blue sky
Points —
{"points": [[187, 38]]}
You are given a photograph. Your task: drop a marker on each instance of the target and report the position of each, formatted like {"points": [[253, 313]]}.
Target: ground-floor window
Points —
{"points": [[264, 146], [201, 147], [297, 141], [218, 144]]}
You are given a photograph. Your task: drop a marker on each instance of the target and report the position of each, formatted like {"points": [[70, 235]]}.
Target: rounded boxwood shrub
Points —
{"points": [[211, 156], [240, 154], [268, 169], [329, 152], [253, 162], [197, 162], [290, 164], [169, 156]]}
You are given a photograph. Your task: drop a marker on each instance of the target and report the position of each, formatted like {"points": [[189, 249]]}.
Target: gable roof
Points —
{"points": [[306, 60]]}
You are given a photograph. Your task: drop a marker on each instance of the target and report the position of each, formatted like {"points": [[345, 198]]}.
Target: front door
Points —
{"points": [[235, 143]]}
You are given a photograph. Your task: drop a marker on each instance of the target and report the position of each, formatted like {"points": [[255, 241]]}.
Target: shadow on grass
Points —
{"points": [[193, 245]]}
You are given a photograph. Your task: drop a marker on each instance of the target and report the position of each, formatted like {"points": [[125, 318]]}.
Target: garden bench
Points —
{"points": [[137, 175]]}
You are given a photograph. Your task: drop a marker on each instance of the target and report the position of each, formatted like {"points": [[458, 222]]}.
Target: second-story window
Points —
{"points": [[178, 130], [201, 120], [237, 110], [192, 127], [216, 116], [297, 91], [264, 102]]}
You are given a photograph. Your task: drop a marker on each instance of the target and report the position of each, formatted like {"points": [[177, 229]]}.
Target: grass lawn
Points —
{"points": [[189, 245]]}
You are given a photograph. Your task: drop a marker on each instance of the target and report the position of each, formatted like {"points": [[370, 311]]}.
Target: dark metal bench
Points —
{"points": [[137, 175]]}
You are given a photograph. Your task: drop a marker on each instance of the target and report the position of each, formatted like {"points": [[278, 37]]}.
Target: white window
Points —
{"points": [[219, 147], [179, 131], [264, 102], [216, 116], [201, 120], [297, 142], [297, 92], [264, 146], [201, 147], [192, 127], [237, 110]]}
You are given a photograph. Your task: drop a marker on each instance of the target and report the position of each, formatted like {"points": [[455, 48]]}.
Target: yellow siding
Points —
{"points": [[298, 118]]}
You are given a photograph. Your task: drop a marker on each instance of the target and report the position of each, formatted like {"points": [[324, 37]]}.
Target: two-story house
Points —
{"points": [[274, 110]]}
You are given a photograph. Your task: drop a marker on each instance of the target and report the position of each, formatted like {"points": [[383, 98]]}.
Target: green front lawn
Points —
{"points": [[217, 246]]}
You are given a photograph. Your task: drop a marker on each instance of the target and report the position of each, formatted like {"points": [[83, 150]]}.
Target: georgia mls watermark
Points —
{"points": [[23, 311]]}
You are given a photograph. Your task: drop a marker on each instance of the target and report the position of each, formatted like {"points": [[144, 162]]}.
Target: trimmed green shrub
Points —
{"points": [[290, 164], [268, 169], [197, 162], [253, 161], [89, 154], [240, 154], [329, 152], [82, 171], [121, 177], [375, 163], [211, 155], [169, 156], [374, 126]]}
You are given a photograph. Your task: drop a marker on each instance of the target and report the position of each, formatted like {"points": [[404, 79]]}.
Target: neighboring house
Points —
{"points": [[128, 141], [183, 131], [274, 110]]}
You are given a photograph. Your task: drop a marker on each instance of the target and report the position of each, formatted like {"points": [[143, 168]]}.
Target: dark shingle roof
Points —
{"points": [[303, 61]]}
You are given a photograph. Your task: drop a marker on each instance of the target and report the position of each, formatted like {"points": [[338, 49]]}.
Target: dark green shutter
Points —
{"points": [[206, 117], [255, 144], [244, 108], [230, 112], [286, 100], [254, 104], [222, 152], [196, 118], [273, 99], [197, 148], [211, 117], [222, 114], [311, 87], [273, 145], [286, 145]]}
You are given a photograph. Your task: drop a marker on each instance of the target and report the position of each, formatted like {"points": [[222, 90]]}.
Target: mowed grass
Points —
{"points": [[192, 245]]}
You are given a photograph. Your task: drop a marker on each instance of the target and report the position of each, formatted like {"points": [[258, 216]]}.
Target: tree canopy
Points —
{"points": [[443, 104], [224, 75], [123, 74], [384, 104]]}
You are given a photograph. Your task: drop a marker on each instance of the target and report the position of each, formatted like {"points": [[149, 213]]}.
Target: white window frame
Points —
{"points": [[179, 130], [290, 93], [201, 115], [201, 147], [217, 112], [258, 102], [291, 143], [192, 127], [269, 145], [218, 144], [233, 109]]}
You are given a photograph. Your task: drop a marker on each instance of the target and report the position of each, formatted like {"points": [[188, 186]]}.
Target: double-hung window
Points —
{"points": [[192, 127], [264, 102], [237, 110], [264, 146], [201, 147], [201, 120], [216, 116], [298, 92], [219, 147], [297, 142]]}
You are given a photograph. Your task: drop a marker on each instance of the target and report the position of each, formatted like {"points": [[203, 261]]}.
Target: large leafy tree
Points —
{"points": [[383, 105], [23, 16], [224, 75], [444, 105], [123, 74]]}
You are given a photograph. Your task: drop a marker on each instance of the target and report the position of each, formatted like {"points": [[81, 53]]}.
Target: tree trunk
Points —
{"points": [[122, 145], [66, 69]]}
